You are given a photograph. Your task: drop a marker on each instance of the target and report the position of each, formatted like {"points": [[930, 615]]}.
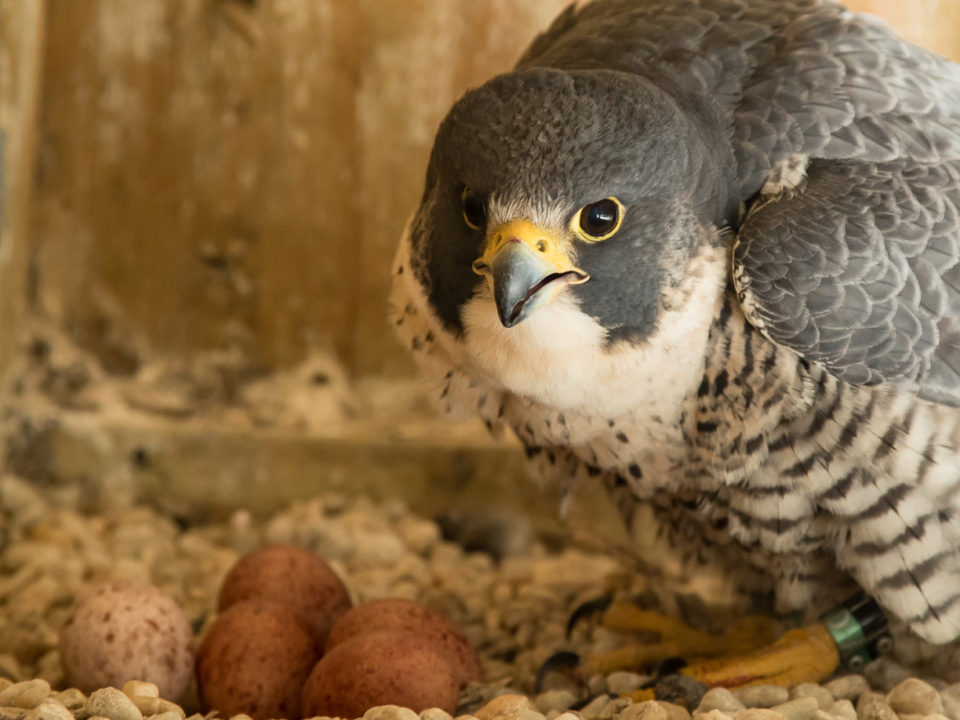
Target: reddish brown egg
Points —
{"points": [[254, 659], [292, 576], [389, 667], [399, 614]]}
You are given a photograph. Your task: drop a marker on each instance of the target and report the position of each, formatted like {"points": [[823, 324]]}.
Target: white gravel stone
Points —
{"points": [[819, 693], [913, 696], [435, 714], [390, 712], [713, 714], [169, 715], [674, 711], [72, 698], [951, 706], [112, 703], [800, 709], [762, 696], [593, 708], [758, 714], [140, 688], [503, 706], [647, 710], [720, 699], [50, 709], [848, 687], [560, 700], [885, 673], [843, 709], [623, 682], [874, 706], [27, 694], [13, 713]]}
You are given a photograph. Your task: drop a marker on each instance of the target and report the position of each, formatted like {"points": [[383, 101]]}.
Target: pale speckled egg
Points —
{"points": [[389, 667], [292, 576], [127, 630], [254, 659], [401, 614]]}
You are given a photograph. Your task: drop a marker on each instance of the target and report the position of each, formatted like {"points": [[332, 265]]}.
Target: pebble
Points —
{"points": [[722, 699], [674, 711], [758, 714], [593, 708], [623, 682], [503, 706], [435, 714], [12, 713], [647, 710], [169, 715], [390, 712], [569, 715], [49, 709], [874, 706], [819, 693], [848, 687], [843, 709], [951, 706], [680, 690], [800, 709], [560, 699], [26, 694], [111, 703], [762, 696], [885, 673], [614, 707], [71, 698], [156, 706], [712, 715], [140, 688], [913, 696]]}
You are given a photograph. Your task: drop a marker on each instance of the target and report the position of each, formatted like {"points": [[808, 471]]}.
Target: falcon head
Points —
{"points": [[565, 202]]}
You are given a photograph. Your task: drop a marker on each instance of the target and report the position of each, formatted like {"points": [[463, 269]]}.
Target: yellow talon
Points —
{"points": [[674, 639], [804, 655]]}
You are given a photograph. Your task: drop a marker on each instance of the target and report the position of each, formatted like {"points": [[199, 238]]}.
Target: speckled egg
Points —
{"points": [[291, 576], [127, 630], [389, 667], [254, 659], [400, 614]]}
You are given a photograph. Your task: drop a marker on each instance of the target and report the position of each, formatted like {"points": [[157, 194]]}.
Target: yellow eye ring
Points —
{"points": [[598, 220]]}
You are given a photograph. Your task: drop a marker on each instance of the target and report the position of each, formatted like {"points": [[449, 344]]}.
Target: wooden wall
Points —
{"points": [[218, 173], [21, 24]]}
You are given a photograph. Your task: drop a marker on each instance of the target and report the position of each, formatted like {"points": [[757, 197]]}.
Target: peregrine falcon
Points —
{"points": [[706, 253]]}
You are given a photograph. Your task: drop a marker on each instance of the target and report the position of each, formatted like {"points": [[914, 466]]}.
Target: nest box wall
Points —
{"points": [[229, 174]]}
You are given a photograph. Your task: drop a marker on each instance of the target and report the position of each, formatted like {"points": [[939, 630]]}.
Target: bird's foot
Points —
{"points": [[803, 655], [747, 653], [671, 638]]}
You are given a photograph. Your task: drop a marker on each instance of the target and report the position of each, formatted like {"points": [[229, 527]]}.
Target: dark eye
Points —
{"points": [[601, 219], [473, 212]]}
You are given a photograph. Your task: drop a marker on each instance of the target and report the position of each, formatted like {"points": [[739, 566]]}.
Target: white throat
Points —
{"points": [[558, 357]]}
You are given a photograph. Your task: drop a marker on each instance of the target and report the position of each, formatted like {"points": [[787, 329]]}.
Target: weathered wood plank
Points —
{"points": [[218, 174], [21, 42]]}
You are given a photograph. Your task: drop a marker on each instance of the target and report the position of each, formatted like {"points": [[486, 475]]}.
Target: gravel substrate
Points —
{"points": [[514, 610]]}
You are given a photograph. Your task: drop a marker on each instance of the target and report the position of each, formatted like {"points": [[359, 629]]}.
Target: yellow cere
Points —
{"points": [[555, 249]]}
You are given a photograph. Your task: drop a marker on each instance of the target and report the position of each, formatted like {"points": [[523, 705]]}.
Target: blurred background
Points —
{"points": [[200, 202]]}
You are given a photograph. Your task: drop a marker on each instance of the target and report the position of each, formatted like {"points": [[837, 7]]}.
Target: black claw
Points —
{"points": [[560, 660], [586, 609]]}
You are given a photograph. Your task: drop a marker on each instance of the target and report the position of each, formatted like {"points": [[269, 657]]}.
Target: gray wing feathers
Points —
{"points": [[860, 271], [840, 86]]}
